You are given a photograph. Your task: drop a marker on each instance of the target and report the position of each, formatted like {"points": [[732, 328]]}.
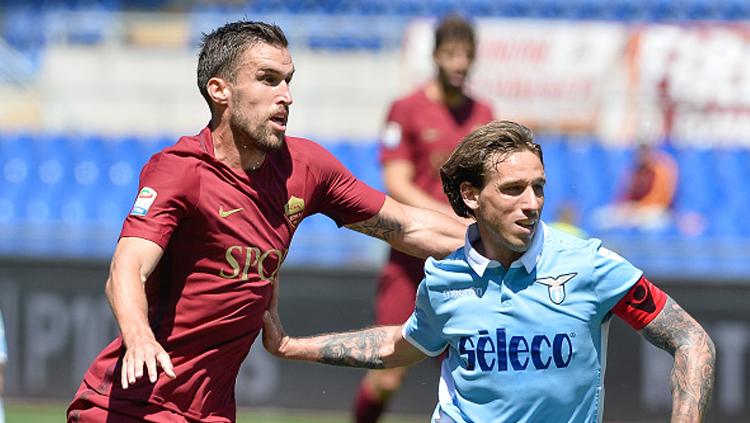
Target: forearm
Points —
{"points": [[694, 354], [127, 298], [372, 348], [419, 232], [432, 233], [692, 379]]}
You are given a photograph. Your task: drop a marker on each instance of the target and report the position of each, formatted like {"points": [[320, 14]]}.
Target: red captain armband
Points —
{"points": [[641, 304]]}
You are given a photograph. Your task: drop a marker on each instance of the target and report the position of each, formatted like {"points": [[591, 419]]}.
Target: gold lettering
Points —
{"points": [[250, 253], [232, 261], [253, 260], [261, 271]]}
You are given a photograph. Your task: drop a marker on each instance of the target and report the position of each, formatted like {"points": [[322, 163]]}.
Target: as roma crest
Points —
{"points": [[293, 210]]}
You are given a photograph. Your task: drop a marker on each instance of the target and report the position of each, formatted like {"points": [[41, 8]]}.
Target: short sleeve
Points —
{"points": [[167, 191], [613, 277], [342, 196], [423, 329], [395, 139]]}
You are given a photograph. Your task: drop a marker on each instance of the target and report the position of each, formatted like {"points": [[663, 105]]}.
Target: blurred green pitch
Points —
{"points": [[50, 412]]}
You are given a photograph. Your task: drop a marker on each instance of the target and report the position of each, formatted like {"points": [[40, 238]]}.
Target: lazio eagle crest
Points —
{"points": [[556, 286]]}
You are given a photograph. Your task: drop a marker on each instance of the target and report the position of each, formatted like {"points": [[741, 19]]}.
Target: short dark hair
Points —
{"points": [[478, 153], [454, 28], [221, 48]]}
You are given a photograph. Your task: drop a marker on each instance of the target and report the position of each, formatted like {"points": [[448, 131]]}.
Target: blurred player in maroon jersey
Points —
{"points": [[199, 253], [421, 131]]}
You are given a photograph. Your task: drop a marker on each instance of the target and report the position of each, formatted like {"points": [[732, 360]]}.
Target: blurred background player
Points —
{"points": [[648, 193], [420, 132]]}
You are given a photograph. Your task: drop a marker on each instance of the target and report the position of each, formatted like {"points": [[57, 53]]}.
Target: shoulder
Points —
{"points": [[448, 271], [559, 240], [588, 252], [185, 153], [305, 148], [311, 158], [410, 101]]}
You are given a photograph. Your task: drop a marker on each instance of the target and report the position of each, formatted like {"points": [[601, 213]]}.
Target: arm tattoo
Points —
{"points": [[674, 331], [379, 227], [355, 349]]}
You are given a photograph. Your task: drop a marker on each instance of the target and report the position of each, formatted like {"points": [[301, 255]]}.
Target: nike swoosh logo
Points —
{"points": [[227, 213]]}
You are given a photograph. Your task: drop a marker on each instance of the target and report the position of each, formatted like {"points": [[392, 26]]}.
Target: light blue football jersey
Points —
{"points": [[527, 344]]}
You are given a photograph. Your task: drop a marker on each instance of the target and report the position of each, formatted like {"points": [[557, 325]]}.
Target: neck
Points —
{"points": [[492, 248], [234, 149], [441, 93]]}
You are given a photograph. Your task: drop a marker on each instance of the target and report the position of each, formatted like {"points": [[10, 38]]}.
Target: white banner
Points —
{"points": [[690, 83], [695, 81], [547, 74]]}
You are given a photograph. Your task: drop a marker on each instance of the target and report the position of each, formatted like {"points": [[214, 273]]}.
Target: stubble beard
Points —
{"points": [[257, 133]]}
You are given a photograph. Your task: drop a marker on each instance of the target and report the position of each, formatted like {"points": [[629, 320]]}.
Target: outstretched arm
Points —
{"points": [[374, 348], [133, 262], [416, 231], [676, 332]]}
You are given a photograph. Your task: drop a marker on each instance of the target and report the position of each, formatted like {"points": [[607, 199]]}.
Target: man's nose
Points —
{"points": [[531, 201], [286, 93]]}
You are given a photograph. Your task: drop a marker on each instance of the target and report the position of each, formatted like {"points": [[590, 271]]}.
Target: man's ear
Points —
{"points": [[219, 90], [470, 195]]}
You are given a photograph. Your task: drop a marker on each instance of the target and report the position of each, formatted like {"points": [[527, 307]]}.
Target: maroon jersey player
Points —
{"points": [[199, 254], [421, 131]]}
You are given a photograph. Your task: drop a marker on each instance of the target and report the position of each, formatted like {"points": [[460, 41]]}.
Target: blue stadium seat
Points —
{"points": [[581, 10], [586, 170], [547, 9], [127, 157], [557, 190], [734, 10], [364, 159], [17, 163], [663, 10], [700, 9], [623, 10], [694, 186], [22, 28], [512, 8]]}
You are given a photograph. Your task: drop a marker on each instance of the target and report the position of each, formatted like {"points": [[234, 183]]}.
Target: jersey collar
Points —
{"points": [[480, 263]]}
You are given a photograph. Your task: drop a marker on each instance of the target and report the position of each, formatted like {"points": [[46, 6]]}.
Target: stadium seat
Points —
{"points": [[586, 169], [623, 10], [584, 9], [734, 10], [512, 8], [663, 10]]}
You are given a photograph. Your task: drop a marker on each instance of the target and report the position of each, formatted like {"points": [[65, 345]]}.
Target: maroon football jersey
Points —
{"points": [[225, 233], [426, 132]]}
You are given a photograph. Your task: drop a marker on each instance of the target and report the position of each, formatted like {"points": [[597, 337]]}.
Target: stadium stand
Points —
{"points": [[66, 195]]}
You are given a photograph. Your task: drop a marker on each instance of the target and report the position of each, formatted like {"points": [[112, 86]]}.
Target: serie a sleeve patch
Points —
{"points": [[641, 304], [143, 202]]}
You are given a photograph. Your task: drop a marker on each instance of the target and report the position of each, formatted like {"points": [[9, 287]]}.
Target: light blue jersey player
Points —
{"points": [[527, 344], [522, 308]]}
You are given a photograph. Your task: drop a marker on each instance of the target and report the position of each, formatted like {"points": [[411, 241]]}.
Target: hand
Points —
{"points": [[148, 352]]}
